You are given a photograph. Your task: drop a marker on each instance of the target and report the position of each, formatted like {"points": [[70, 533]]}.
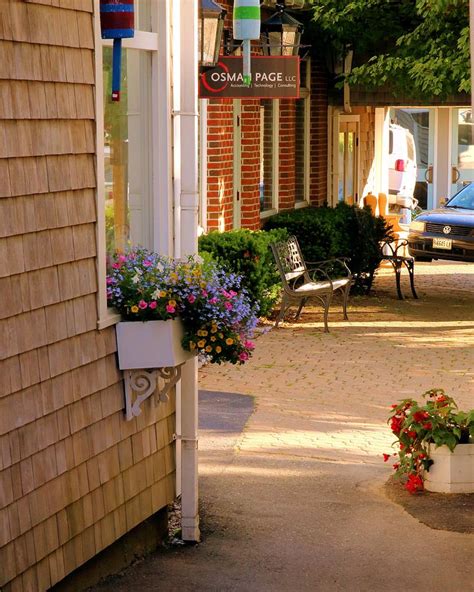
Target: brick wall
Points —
{"points": [[250, 159], [220, 164], [220, 153], [74, 475], [319, 133]]}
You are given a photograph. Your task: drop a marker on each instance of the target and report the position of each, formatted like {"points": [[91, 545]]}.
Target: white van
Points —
{"points": [[401, 162]]}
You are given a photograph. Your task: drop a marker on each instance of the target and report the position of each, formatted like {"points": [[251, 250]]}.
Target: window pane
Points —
{"points": [[143, 15], [266, 155], [300, 150], [340, 167], [127, 152]]}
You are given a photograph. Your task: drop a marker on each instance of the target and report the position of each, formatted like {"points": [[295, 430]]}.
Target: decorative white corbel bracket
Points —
{"points": [[145, 383]]}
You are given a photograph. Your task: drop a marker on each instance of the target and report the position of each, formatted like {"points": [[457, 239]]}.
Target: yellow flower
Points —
{"points": [[174, 277], [172, 302], [229, 341], [213, 338], [204, 333], [163, 294], [208, 348], [213, 329], [134, 309], [201, 343], [218, 349], [199, 333], [192, 345]]}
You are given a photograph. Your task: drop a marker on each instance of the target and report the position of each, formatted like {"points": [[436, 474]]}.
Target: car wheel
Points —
{"points": [[424, 259]]}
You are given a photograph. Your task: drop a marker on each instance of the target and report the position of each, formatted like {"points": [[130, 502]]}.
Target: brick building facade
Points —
{"points": [[244, 137]]}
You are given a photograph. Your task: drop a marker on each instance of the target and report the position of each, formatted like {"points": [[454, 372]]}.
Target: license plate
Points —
{"points": [[442, 243]]}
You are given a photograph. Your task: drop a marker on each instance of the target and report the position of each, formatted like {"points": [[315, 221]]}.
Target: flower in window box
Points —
{"points": [[217, 315]]}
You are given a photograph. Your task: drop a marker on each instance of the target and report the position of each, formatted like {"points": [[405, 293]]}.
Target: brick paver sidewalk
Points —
{"points": [[299, 504]]}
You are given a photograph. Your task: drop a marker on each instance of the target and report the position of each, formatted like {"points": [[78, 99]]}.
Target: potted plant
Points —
{"points": [[172, 310], [434, 440]]}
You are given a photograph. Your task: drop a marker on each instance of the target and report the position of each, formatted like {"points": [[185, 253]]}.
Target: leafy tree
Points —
{"points": [[418, 47]]}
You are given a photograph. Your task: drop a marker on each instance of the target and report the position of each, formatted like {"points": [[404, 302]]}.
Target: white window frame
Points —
{"points": [[148, 41], [305, 94], [275, 159]]}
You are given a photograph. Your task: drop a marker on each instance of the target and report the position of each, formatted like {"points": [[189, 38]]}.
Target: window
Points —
{"points": [[125, 155], [302, 137], [269, 129], [127, 150]]}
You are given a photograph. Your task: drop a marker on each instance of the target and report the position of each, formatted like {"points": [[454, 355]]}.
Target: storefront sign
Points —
{"points": [[272, 78]]}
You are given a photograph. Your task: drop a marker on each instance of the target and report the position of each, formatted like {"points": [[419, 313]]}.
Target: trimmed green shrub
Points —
{"points": [[247, 253], [343, 231]]}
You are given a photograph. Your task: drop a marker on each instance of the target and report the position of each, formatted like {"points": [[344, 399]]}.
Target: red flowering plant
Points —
{"points": [[437, 422]]}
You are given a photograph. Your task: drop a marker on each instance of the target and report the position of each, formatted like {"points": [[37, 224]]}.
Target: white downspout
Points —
{"points": [[186, 200]]}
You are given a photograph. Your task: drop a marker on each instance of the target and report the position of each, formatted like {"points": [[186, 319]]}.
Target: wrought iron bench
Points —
{"points": [[301, 283], [390, 252]]}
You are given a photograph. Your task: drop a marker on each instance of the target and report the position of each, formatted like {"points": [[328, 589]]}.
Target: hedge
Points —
{"points": [[343, 231], [248, 254]]}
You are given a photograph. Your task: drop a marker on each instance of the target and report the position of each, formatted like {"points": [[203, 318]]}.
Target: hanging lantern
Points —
{"points": [[117, 23], [246, 29], [211, 25], [281, 33]]}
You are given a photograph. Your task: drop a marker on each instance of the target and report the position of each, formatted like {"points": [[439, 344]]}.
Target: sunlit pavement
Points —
{"points": [[296, 501]]}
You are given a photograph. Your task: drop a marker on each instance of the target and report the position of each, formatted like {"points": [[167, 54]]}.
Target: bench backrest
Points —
{"points": [[290, 261]]}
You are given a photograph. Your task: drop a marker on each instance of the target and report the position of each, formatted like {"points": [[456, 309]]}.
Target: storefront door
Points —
{"points": [[347, 158]]}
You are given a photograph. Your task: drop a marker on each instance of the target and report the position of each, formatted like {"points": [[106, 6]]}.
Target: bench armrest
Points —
{"points": [[328, 264], [393, 246]]}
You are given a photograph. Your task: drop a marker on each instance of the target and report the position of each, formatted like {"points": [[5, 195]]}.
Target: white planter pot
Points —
{"points": [[150, 344], [451, 472]]}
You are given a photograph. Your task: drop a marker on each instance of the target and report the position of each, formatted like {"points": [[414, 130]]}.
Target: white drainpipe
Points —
{"points": [[186, 199]]}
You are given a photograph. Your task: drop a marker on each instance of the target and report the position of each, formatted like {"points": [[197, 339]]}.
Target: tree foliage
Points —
{"points": [[418, 47]]}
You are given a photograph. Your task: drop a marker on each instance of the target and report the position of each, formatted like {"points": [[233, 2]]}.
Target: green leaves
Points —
{"points": [[418, 427], [419, 47]]}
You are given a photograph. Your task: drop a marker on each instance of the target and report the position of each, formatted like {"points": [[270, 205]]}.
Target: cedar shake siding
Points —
{"points": [[74, 475]]}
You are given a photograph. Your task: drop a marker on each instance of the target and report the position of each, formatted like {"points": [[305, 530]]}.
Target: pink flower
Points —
{"points": [[191, 298], [232, 293], [122, 258], [228, 305], [109, 280], [116, 265], [249, 344], [142, 304], [243, 356], [204, 293], [170, 308], [152, 305], [213, 300], [147, 263]]}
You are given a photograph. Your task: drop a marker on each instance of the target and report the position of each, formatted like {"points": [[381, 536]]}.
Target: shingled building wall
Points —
{"points": [[74, 475]]}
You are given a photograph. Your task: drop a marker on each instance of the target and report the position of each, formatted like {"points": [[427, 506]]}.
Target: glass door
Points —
{"points": [[462, 149], [348, 159], [420, 123]]}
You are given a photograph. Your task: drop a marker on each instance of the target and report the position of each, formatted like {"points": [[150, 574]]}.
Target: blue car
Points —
{"points": [[447, 232]]}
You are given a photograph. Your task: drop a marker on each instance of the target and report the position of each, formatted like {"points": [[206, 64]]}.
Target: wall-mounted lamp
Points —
{"points": [[281, 33], [211, 25]]}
